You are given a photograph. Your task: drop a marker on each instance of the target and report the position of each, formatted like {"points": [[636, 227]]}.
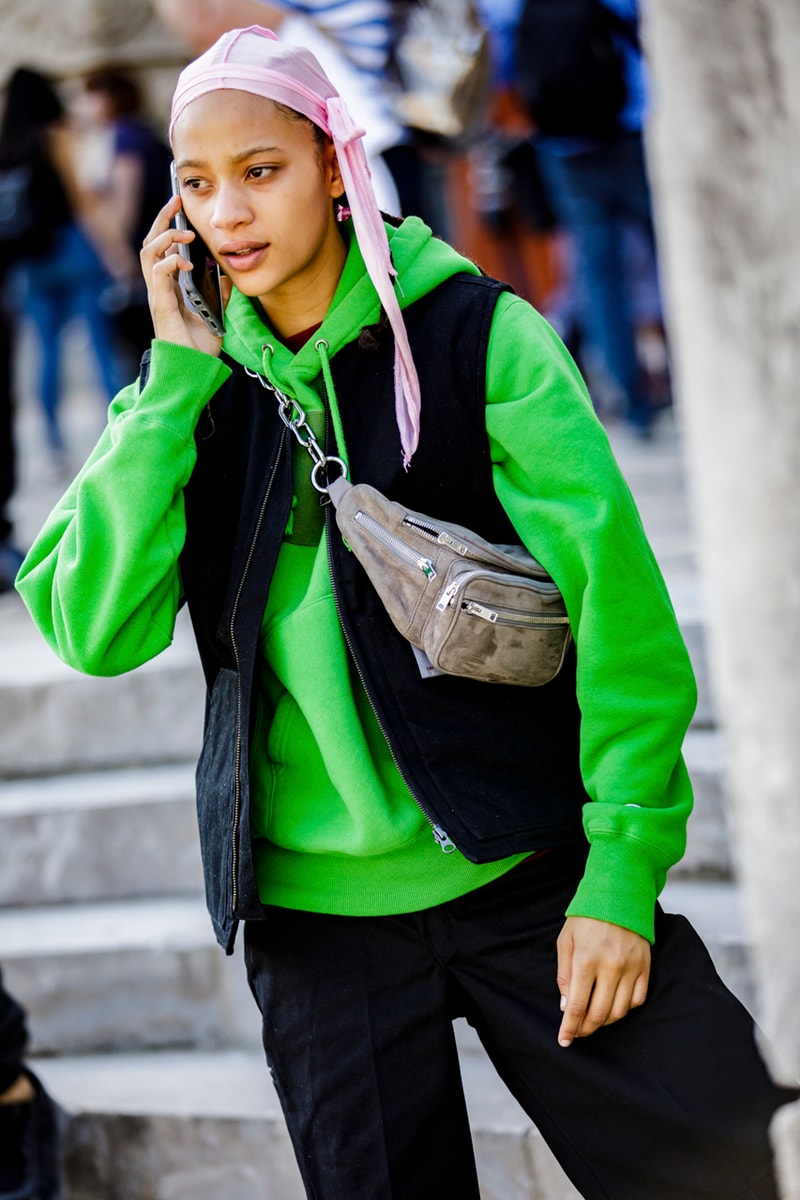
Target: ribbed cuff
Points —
{"points": [[180, 383], [621, 883]]}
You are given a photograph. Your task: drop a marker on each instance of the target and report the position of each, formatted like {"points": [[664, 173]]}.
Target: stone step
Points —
{"points": [[54, 719], [101, 835], [124, 975], [656, 476], [709, 852], [715, 910], [686, 595], [147, 973], [208, 1126], [166, 1126], [106, 835]]}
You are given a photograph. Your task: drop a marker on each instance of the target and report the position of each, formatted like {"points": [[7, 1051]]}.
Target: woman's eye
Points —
{"points": [[260, 172]]}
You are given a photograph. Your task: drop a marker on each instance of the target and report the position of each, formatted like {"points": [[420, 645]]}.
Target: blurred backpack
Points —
{"points": [[569, 67], [442, 61]]}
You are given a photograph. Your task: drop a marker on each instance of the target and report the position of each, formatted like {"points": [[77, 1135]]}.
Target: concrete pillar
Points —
{"points": [[724, 144]]}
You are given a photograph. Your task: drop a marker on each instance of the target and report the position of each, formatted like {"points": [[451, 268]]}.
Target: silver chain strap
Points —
{"points": [[296, 421]]}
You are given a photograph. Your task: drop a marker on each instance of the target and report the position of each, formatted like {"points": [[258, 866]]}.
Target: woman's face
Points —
{"points": [[258, 188]]}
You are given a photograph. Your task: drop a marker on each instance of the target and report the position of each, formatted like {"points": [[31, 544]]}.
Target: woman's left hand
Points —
{"points": [[603, 972]]}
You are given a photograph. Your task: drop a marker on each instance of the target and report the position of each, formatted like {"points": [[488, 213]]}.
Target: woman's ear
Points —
{"points": [[336, 183]]}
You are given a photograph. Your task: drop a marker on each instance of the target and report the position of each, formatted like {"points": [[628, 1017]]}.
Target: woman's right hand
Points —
{"points": [[161, 261]]}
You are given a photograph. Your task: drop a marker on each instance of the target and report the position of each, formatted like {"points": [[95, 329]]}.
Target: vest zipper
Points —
{"points": [[440, 835], [237, 801]]}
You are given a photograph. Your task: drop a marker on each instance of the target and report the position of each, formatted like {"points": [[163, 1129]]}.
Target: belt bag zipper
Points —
{"points": [[471, 608], [511, 616], [525, 652], [397, 547], [500, 628]]}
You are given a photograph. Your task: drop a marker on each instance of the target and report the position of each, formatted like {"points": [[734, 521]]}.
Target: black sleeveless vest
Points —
{"points": [[495, 766]]}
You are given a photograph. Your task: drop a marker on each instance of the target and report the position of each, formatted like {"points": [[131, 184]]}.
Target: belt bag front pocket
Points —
{"points": [[469, 607]]}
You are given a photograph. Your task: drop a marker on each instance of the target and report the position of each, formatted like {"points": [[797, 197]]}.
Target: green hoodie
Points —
{"points": [[335, 828]]}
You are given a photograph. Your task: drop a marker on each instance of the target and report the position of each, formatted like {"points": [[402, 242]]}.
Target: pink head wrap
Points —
{"points": [[254, 60]]}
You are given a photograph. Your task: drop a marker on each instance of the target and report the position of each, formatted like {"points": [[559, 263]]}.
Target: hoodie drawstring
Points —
{"points": [[321, 347], [329, 392]]}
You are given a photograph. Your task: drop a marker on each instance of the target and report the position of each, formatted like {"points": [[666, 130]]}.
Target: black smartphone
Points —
{"points": [[201, 287]]}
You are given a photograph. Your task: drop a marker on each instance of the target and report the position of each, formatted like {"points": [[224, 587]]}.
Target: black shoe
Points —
{"points": [[29, 1148]]}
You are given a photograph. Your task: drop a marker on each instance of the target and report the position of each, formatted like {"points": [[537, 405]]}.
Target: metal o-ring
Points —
{"points": [[320, 466]]}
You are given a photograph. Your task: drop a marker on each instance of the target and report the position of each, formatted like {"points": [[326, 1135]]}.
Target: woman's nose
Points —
{"points": [[230, 208]]}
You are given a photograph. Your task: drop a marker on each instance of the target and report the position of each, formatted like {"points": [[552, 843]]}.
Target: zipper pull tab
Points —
{"points": [[480, 610], [442, 838], [447, 539], [447, 596]]}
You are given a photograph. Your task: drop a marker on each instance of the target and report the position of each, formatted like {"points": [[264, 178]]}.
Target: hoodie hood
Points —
{"points": [[422, 262]]}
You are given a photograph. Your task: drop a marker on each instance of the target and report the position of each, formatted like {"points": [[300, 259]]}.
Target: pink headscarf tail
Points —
{"points": [[371, 235], [255, 60], [407, 405]]}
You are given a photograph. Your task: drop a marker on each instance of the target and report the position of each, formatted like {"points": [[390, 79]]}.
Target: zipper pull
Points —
{"points": [[442, 838], [447, 539], [447, 596], [480, 610]]}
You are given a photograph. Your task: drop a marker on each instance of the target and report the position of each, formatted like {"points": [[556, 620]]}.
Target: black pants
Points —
{"points": [[13, 1038], [672, 1103]]}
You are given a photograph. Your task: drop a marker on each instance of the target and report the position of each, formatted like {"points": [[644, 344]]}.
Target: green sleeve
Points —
{"points": [[101, 580], [555, 475]]}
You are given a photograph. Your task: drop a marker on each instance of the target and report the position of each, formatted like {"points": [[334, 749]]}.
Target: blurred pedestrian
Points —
{"points": [[29, 1139], [581, 70], [10, 555], [441, 74], [507, 188], [357, 41], [58, 274], [351, 39], [135, 187]]}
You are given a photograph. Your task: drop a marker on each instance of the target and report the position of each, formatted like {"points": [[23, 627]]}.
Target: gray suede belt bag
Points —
{"points": [[468, 607]]}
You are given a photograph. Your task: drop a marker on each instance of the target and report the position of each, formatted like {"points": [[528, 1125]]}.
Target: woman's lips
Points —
{"points": [[244, 257]]}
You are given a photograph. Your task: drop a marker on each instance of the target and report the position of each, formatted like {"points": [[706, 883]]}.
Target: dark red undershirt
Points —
{"points": [[296, 341]]}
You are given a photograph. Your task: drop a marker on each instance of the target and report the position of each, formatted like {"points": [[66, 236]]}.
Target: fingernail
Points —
{"points": [[563, 1003], [564, 1042]]}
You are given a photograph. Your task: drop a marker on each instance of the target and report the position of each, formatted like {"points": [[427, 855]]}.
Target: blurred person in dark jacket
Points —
{"points": [[10, 556], [135, 188], [29, 1141], [68, 251], [589, 136]]}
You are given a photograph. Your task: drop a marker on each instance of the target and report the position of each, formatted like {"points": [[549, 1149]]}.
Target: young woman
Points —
{"points": [[328, 762]]}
